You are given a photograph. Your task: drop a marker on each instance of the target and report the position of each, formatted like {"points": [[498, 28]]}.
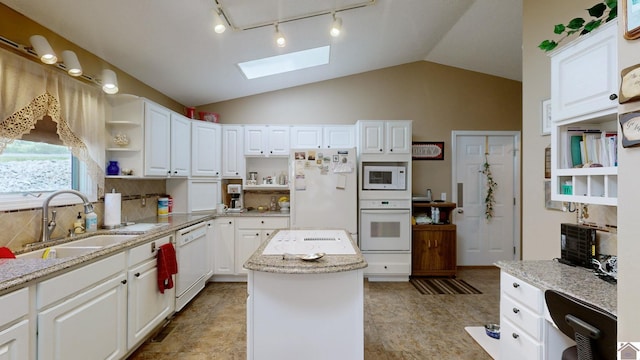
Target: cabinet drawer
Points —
{"points": [[521, 316], [147, 251], [15, 305], [388, 264], [66, 285], [263, 223], [522, 292], [516, 344]]}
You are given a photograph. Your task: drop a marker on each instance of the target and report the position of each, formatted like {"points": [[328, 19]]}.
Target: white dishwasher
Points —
{"points": [[191, 255]]}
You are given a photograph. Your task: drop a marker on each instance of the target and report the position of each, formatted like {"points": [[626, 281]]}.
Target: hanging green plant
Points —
{"points": [[600, 13], [489, 200]]}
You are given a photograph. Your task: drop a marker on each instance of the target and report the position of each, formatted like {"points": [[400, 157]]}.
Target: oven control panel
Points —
{"points": [[385, 204]]}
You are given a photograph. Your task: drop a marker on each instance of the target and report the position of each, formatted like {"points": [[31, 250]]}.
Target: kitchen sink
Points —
{"points": [[61, 252], [99, 240]]}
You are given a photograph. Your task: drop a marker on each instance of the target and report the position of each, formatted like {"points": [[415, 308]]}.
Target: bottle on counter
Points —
{"points": [[91, 222], [78, 227]]}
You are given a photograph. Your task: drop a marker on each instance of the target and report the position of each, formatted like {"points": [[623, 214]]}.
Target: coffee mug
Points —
{"points": [[221, 208]]}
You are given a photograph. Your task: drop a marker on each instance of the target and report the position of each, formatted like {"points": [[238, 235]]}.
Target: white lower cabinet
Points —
{"points": [[388, 266], [223, 246], [147, 307], [250, 233], [82, 314], [15, 340]]}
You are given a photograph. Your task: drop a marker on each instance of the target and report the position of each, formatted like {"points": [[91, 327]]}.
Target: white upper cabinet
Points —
{"points": [[180, 145], [338, 137], [233, 162], [206, 146], [306, 137], [261, 140], [584, 76], [384, 136], [157, 140]]}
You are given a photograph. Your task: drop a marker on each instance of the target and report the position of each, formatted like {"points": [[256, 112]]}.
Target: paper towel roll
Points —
{"points": [[112, 206]]}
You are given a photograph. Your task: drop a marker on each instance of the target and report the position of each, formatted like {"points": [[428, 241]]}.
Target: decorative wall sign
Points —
{"points": [[545, 128], [427, 150], [630, 84], [631, 14], [630, 125]]}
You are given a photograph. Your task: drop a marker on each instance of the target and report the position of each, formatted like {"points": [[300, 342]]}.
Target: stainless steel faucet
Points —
{"points": [[49, 226]]}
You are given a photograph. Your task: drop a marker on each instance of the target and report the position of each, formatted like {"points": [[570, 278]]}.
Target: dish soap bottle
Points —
{"points": [[78, 228], [91, 222]]}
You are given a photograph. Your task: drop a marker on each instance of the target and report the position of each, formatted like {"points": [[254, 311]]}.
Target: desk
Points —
{"points": [[527, 330]]}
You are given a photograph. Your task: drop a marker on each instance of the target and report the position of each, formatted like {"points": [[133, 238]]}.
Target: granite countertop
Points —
{"points": [[16, 273], [254, 213], [576, 281], [330, 263]]}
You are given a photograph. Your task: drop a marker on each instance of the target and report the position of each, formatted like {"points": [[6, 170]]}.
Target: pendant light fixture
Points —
{"points": [[336, 26], [43, 49], [71, 63], [219, 27], [280, 39], [109, 82]]}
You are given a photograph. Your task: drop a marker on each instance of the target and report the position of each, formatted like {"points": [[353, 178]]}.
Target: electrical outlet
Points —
{"points": [[143, 200]]}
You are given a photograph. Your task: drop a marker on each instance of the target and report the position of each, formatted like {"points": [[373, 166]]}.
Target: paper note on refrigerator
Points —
{"points": [[341, 182]]}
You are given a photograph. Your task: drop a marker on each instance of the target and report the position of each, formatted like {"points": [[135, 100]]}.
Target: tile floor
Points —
{"points": [[399, 322]]}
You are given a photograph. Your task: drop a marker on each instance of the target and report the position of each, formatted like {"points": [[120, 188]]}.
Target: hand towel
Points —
{"points": [[6, 253], [167, 266]]}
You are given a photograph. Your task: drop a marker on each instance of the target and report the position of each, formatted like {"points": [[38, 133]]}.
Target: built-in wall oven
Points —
{"points": [[385, 225], [191, 254]]}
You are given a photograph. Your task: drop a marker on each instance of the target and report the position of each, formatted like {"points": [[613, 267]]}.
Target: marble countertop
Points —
{"points": [[330, 263], [16, 273], [576, 281]]}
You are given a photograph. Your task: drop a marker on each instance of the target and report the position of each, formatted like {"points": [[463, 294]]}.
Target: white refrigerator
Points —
{"points": [[323, 189]]}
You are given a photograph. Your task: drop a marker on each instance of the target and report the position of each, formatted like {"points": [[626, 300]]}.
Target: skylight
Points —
{"points": [[284, 63]]}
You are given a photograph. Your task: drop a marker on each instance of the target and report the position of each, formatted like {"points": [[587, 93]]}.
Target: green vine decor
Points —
{"points": [[489, 200], [599, 15]]}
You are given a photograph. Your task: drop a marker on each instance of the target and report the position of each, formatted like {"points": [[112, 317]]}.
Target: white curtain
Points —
{"points": [[29, 91]]}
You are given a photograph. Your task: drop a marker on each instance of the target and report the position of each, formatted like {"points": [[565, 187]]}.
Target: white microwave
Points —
{"points": [[379, 177]]}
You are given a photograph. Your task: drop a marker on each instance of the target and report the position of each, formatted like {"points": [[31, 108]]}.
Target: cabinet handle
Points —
{"points": [[390, 150], [124, 282], [169, 172], [613, 97], [176, 172], [385, 266], [515, 336], [136, 274], [229, 222], [516, 310], [516, 285], [271, 151], [262, 221], [261, 152], [429, 244], [257, 234], [153, 246], [380, 150]]}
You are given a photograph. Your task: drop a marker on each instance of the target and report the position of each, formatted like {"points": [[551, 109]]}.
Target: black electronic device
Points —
{"points": [[577, 245]]}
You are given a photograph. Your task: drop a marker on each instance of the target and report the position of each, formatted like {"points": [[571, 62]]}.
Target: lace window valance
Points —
{"points": [[30, 91]]}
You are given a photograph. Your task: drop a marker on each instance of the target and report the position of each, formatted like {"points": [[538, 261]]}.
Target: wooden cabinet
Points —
{"points": [[434, 246], [15, 339], [206, 149], [384, 136], [147, 307], [584, 113], [233, 162], [266, 140], [82, 314]]}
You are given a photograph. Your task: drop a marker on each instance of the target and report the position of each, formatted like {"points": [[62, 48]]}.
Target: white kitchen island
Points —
{"points": [[300, 309]]}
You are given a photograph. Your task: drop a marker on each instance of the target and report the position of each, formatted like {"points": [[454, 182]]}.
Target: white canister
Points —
{"points": [[163, 206]]}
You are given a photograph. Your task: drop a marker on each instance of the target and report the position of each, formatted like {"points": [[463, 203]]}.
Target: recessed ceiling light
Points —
{"points": [[284, 63]]}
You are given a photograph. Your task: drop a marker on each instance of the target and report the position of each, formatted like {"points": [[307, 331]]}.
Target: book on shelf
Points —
{"points": [[589, 146]]}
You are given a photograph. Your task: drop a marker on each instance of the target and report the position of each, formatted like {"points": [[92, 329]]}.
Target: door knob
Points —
{"points": [[460, 211]]}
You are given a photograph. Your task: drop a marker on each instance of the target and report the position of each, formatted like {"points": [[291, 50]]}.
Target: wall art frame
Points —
{"points": [[427, 150], [630, 126], [545, 120], [631, 16]]}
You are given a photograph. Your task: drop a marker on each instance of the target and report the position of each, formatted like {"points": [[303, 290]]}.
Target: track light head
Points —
{"points": [[43, 49], [109, 82], [336, 26], [219, 27], [71, 63], [280, 39]]}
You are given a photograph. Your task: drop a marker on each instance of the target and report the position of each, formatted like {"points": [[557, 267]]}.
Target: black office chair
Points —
{"points": [[593, 329]]}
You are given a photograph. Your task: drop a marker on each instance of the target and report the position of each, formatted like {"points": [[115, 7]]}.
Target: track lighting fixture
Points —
{"points": [[71, 63], [336, 26], [219, 26], [43, 49], [109, 82], [280, 40]]}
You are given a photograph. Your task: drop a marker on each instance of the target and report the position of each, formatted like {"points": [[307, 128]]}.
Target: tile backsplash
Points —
{"points": [[24, 226]]}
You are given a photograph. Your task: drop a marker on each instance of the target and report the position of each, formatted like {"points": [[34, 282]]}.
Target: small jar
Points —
{"points": [[273, 205]]}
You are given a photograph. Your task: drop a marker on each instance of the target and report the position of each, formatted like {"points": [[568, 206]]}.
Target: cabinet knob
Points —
{"points": [[262, 221], [175, 172], [261, 151], [385, 266], [516, 310], [380, 150], [257, 234], [169, 172], [515, 336], [613, 96], [136, 274], [516, 285], [124, 282], [229, 222], [271, 151], [390, 150]]}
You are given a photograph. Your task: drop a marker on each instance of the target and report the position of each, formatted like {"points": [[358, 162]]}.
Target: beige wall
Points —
{"points": [[437, 98], [18, 28]]}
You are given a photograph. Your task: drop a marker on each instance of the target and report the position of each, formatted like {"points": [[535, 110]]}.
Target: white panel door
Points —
{"points": [[278, 140], [255, 140], [14, 341], [233, 163], [483, 241], [205, 149], [180, 145], [306, 137], [398, 136], [339, 137], [157, 140]]}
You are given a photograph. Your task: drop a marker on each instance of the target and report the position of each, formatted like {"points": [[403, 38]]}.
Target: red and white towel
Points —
{"points": [[6, 253], [167, 266]]}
